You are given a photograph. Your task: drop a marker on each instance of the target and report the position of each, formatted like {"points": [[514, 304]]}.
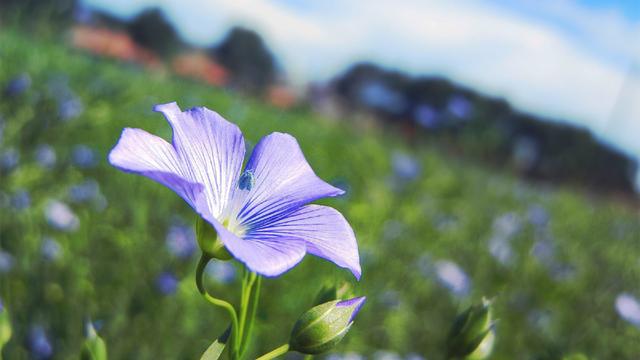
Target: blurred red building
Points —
{"points": [[199, 66], [112, 43], [281, 96]]}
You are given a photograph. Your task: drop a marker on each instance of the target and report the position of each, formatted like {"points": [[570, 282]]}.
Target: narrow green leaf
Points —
{"points": [[216, 349]]}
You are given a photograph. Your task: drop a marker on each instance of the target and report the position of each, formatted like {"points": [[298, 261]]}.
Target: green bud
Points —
{"points": [[209, 242], [472, 335], [94, 347], [5, 326], [323, 326]]}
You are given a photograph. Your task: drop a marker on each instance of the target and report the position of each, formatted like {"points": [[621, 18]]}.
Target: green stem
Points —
{"points": [[275, 352], [244, 300], [253, 305], [202, 263]]}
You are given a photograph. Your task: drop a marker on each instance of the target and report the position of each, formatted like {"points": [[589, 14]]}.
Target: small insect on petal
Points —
{"points": [[247, 180]]}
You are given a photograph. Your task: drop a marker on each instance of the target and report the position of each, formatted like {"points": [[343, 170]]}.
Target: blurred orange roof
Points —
{"points": [[197, 65], [111, 43], [281, 96]]}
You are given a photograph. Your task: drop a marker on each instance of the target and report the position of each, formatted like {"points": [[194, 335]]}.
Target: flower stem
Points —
{"points": [[253, 305], [235, 341], [275, 352]]}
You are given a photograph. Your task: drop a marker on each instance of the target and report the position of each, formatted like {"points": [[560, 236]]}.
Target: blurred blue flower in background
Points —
{"points": [[405, 166], [505, 227], [50, 249], [18, 85], [70, 107], [544, 250], [83, 156], [86, 191], [9, 159], [459, 107], [39, 344], [500, 249], [628, 307], [21, 200], [181, 241], [222, 271], [45, 156], [167, 283], [414, 356], [60, 216], [386, 355], [390, 299], [452, 277], [426, 116], [345, 356], [378, 95], [538, 215], [6, 262]]}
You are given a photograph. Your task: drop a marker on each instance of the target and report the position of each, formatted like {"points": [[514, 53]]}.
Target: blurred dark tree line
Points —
{"points": [[484, 128]]}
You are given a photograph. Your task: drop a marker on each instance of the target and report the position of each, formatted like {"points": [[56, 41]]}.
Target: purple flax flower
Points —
{"points": [[46, 156], [181, 241], [83, 156], [70, 108], [222, 271], [426, 116], [85, 191], [50, 249], [453, 277], [167, 283], [60, 216], [628, 307], [39, 343], [18, 85], [405, 166], [260, 214], [6, 262], [459, 107], [21, 200], [9, 159]]}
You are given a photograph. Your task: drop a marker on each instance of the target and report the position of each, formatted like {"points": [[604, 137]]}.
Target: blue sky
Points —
{"points": [[571, 60]]}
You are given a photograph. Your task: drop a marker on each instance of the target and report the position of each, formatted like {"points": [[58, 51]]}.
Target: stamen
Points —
{"points": [[247, 180]]}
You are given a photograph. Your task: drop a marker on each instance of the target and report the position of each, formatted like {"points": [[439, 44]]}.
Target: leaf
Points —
{"points": [[217, 347]]}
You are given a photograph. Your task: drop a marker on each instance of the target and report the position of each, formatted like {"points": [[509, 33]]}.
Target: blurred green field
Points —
{"points": [[565, 256]]}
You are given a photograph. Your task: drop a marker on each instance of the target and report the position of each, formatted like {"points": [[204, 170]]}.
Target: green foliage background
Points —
{"points": [[110, 264]]}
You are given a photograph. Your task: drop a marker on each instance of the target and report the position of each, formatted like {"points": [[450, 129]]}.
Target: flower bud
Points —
{"points": [[5, 326], [323, 326], [94, 347], [209, 242], [472, 334]]}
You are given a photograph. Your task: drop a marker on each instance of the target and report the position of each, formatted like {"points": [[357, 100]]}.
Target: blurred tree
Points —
{"points": [[151, 30], [38, 15], [245, 55]]}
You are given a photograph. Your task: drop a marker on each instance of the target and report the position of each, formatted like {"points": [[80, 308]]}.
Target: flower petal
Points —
{"points": [[210, 149], [283, 182], [325, 232], [148, 155], [268, 257]]}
